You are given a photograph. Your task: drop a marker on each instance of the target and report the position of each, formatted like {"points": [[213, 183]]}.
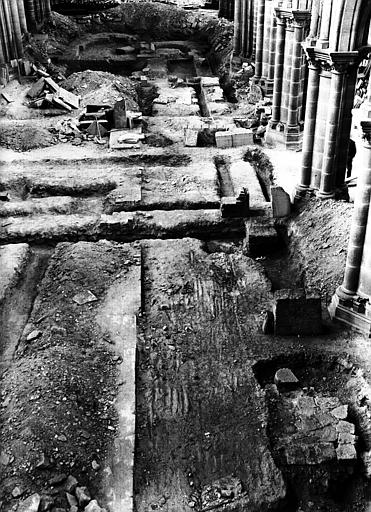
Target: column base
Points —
{"points": [[325, 195], [291, 137], [301, 192], [355, 313]]}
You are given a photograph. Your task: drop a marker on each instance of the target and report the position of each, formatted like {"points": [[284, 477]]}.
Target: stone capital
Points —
{"points": [[335, 62]]}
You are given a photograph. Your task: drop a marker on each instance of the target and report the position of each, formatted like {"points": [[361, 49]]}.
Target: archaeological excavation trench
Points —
{"points": [[135, 368]]}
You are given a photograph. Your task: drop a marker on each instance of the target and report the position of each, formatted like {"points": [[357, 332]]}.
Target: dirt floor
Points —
{"points": [[135, 370]]}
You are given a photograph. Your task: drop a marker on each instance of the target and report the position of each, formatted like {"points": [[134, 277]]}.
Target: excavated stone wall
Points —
{"points": [[167, 22]]}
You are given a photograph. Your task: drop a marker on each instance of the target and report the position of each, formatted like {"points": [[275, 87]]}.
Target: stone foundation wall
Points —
{"points": [[166, 22]]}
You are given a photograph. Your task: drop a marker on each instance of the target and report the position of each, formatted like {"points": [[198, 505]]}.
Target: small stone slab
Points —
{"points": [[281, 204], [285, 380], [223, 140]]}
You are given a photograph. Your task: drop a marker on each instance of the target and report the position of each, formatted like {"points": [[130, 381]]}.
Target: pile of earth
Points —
{"points": [[101, 87], [20, 137], [319, 233]]}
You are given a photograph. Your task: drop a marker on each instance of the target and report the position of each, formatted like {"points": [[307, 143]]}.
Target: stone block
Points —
{"points": [[281, 205], [242, 137], [296, 314], [346, 452], [261, 237], [233, 207], [190, 137], [285, 380], [223, 140]]}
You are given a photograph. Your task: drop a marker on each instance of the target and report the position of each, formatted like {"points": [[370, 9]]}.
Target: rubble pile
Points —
{"points": [[47, 93], [65, 490], [309, 428]]}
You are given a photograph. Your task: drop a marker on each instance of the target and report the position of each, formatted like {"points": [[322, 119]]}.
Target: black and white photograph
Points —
{"points": [[185, 255]]}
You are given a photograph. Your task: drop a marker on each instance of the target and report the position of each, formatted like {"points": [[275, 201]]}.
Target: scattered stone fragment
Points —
{"points": [[30, 504], [46, 503], [58, 479], [34, 335], [346, 452], [82, 495], [340, 412], [4, 458], [285, 380], [95, 465], [93, 507], [72, 501], [43, 462], [84, 297], [71, 484], [17, 492]]}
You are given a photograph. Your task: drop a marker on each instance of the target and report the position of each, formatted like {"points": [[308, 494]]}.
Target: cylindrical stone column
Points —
{"points": [[271, 58], [16, 27], [360, 224], [292, 113], [309, 130], [278, 75], [266, 38], [324, 35], [287, 65], [9, 31], [313, 31], [237, 27], [326, 190], [320, 129], [244, 29], [259, 40], [346, 126], [22, 16]]}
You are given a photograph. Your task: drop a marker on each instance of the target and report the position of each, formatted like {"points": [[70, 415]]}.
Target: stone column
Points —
{"points": [[313, 31], [237, 27], [266, 39], [9, 34], [327, 184], [259, 41], [16, 27], [309, 130], [348, 290], [271, 58], [278, 75], [287, 65], [292, 131], [324, 35], [22, 16], [244, 30], [346, 126], [249, 27], [321, 121]]}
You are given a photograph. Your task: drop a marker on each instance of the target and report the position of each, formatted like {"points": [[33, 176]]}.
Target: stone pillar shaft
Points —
{"points": [[16, 27], [259, 40], [313, 31], [325, 24], [278, 76], [292, 117], [237, 27], [272, 49], [334, 101], [320, 129], [356, 245], [266, 37], [287, 66], [309, 130]]}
